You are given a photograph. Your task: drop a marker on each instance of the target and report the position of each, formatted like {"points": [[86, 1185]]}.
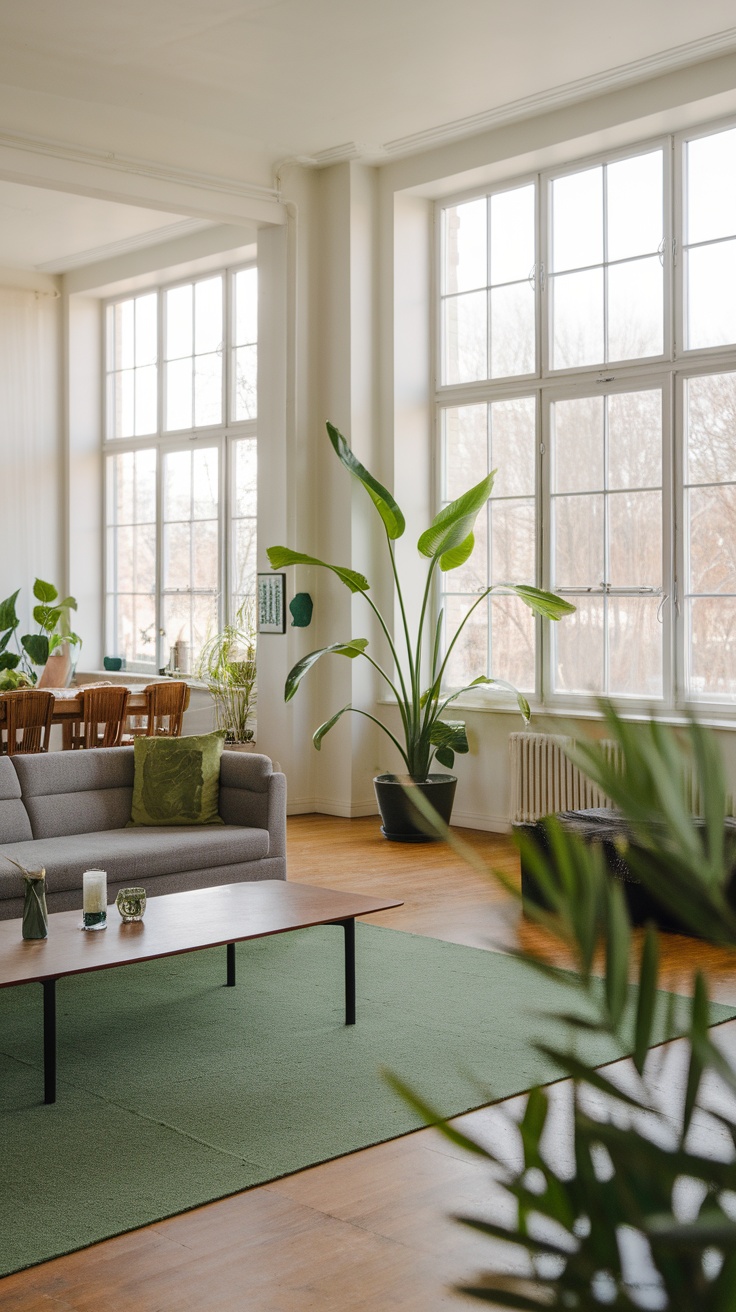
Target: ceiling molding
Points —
{"points": [[131, 165], [139, 241], [338, 154], [639, 70]]}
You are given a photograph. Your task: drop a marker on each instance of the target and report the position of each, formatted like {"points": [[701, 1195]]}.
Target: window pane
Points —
{"points": [[635, 644], [635, 206], [711, 186], [144, 558], [470, 654], [513, 636], [711, 304], [577, 449], [205, 496], [577, 319], [177, 539], [125, 335], [513, 447], [466, 337], [126, 383], [710, 403], [512, 234], [578, 541], [177, 619], [712, 523], [178, 485], [207, 390], [712, 647], [513, 340], [577, 220], [208, 316], [465, 448], [178, 394], [578, 648], [635, 539], [245, 454], [466, 244], [204, 555], [146, 400], [513, 546], [246, 306], [246, 382], [635, 309], [244, 576], [179, 311], [473, 575], [635, 439], [146, 329]]}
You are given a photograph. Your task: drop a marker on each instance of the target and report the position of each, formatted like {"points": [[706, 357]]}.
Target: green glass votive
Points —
{"points": [[131, 903]]}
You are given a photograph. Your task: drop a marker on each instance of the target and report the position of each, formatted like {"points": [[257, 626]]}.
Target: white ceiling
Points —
{"points": [[293, 78]]}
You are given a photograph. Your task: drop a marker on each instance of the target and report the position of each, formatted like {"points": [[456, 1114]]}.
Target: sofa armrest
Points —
{"points": [[252, 794]]}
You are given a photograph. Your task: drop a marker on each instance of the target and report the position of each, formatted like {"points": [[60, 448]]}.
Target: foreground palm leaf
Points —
{"points": [[620, 1230], [446, 544]]}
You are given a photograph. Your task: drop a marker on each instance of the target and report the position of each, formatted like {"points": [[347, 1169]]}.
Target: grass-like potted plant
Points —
{"points": [[419, 663], [227, 664]]}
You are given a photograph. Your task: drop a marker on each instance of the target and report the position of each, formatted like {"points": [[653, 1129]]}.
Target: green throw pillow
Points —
{"points": [[177, 780]]}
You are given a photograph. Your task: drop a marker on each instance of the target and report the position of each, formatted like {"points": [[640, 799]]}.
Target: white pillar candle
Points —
{"points": [[94, 891]]}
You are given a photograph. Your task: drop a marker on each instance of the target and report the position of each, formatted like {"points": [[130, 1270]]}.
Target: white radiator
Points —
{"points": [[544, 781]]}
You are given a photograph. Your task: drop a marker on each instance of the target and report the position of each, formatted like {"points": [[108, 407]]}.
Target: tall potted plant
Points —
{"points": [[50, 647], [419, 665]]}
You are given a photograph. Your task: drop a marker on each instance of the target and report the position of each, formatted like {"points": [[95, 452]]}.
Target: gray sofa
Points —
{"points": [[67, 811]]}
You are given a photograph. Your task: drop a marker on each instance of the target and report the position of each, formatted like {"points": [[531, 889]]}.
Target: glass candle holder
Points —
{"points": [[131, 903], [35, 915], [94, 899]]}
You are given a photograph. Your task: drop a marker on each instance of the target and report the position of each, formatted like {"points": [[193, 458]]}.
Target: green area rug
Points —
{"points": [[174, 1090]]}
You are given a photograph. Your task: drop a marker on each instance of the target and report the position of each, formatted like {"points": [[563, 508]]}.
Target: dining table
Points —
{"points": [[68, 703]]}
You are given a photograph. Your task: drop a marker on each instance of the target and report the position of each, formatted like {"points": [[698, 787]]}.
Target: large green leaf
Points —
{"points": [[524, 707], [68, 603], [47, 616], [8, 617], [37, 646], [45, 592], [546, 604], [279, 557], [458, 555], [387, 508], [449, 737], [319, 734], [453, 525], [355, 647], [9, 660]]}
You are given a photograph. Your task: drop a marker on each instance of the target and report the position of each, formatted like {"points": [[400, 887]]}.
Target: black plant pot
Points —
{"points": [[402, 823]]}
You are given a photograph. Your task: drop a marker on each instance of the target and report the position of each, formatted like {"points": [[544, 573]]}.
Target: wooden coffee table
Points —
{"points": [[176, 923]]}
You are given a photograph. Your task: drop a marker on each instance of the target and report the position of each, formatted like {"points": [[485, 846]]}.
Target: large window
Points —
{"points": [[587, 349], [180, 463]]}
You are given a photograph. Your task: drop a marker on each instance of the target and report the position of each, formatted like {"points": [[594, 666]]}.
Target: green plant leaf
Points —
{"points": [[355, 647], [458, 555], [546, 604], [280, 557], [47, 616], [319, 734], [8, 617], [37, 647], [69, 603], [453, 525], [483, 681], [9, 660], [445, 756], [450, 733], [45, 592], [618, 944], [387, 508]]}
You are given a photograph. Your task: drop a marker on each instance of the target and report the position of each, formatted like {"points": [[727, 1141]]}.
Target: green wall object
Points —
{"points": [[301, 607]]}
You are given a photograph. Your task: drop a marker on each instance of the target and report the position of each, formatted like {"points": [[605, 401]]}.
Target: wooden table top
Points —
{"points": [[175, 923], [68, 704]]}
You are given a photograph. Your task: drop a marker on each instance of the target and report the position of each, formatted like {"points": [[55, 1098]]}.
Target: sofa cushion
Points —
{"points": [[15, 825], [76, 792], [177, 780], [245, 781], [131, 856]]}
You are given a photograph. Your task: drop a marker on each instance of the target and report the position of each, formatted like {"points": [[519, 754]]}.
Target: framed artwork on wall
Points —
{"points": [[272, 603]]}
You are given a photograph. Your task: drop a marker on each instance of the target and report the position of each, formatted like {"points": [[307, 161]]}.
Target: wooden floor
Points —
{"points": [[370, 1231]]}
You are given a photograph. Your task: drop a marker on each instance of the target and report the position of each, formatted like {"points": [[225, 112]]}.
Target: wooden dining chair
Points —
{"points": [[25, 716], [164, 715], [102, 718]]}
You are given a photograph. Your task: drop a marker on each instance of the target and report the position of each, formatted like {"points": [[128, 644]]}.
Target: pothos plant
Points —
{"points": [[419, 662], [51, 614]]}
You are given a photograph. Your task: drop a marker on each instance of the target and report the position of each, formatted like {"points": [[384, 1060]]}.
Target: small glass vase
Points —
{"points": [[35, 915], [131, 903]]}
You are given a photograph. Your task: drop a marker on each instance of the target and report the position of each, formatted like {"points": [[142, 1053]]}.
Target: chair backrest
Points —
{"points": [[27, 715], [102, 719], [167, 703]]}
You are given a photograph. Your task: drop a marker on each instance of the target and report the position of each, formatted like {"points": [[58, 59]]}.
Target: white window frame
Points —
{"points": [[221, 436], [667, 370]]}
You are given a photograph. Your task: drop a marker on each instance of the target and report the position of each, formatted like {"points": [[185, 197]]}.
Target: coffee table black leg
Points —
{"points": [[349, 928], [49, 1040], [231, 965]]}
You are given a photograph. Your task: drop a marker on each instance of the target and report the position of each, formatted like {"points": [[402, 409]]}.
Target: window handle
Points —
{"points": [[660, 607]]}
